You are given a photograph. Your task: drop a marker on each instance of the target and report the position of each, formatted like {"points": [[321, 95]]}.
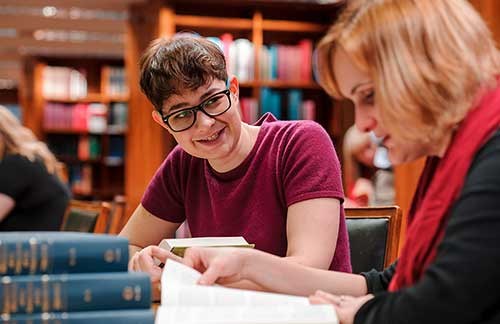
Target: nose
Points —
{"points": [[365, 120], [203, 120]]}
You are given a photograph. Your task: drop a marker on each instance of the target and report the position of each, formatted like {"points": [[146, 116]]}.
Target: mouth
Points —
{"points": [[210, 138]]}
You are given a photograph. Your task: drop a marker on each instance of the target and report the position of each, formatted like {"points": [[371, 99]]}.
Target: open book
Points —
{"points": [[178, 246], [185, 302]]}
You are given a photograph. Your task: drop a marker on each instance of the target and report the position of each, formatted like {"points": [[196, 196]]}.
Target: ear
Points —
{"points": [[234, 86], [157, 118]]}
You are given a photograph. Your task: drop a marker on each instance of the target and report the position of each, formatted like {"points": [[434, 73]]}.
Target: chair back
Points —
{"points": [[86, 216], [117, 215], [374, 234]]}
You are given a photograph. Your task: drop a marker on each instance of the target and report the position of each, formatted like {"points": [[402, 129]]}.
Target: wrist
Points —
{"points": [[245, 256]]}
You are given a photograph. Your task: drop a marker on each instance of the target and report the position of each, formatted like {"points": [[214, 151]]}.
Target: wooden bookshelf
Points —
{"points": [[261, 23], [80, 127]]}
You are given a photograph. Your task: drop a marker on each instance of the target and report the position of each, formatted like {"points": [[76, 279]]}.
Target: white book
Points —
{"points": [[178, 246], [185, 302]]}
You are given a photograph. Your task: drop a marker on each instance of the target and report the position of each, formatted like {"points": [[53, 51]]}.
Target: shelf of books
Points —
{"points": [[84, 105]]}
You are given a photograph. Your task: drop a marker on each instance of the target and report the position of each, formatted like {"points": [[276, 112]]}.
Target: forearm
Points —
{"points": [[286, 276]]}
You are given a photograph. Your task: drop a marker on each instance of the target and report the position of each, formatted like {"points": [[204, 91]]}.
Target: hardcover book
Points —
{"points": [[24, 253], [121, 316], [74, 292], [185, 302], [178, 246]]}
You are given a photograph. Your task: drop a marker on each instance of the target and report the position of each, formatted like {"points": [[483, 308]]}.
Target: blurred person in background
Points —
{"points": [[32, 197]]}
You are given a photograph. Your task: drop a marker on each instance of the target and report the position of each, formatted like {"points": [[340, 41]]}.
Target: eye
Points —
{"points": [[369, 98], [183, 114], [214, 101]]}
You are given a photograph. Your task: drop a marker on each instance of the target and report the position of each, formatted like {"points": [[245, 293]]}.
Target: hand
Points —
{"points": [[346, 306], [221, 265], [144, 261]]}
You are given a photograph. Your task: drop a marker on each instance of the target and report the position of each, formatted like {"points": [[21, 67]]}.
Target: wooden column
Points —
{"points": [[490, 11], [147, 143]]}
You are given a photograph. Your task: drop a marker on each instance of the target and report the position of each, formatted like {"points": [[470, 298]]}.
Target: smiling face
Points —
{"points": [[357, 86], [213, 138]]}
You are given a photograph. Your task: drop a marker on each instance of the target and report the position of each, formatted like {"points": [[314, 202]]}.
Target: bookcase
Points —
{"points": [[284, 27], [79, 107]]}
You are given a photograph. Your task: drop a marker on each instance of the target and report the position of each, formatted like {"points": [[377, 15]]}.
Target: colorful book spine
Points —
{"points": [[74, 292], [135, 316], [23, 253]]}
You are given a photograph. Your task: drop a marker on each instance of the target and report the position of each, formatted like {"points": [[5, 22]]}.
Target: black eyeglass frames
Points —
{"points": [[214, 106]]}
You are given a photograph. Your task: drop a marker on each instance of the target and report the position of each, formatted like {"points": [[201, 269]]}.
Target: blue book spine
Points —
{"points": [[23, 253], [74, 292], [136, 316]]}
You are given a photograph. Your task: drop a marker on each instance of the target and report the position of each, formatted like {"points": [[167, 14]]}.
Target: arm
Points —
{"points": [[6, 205], [312, 228], [276, 274], [143, 230]]}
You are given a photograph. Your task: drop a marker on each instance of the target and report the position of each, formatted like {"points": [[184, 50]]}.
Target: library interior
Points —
{"points": [[91, 167]]}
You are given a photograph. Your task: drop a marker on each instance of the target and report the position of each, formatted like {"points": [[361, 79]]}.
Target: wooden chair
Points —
{"points": [[86, 216], [374, 234], [118, 217]]}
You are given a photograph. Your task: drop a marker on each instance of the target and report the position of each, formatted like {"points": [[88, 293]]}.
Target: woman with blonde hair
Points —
{"points": [[424, 76], [31, 195]]}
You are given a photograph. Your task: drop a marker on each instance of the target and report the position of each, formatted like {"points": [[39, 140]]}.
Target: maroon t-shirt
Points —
{"points": [[291, 161]]}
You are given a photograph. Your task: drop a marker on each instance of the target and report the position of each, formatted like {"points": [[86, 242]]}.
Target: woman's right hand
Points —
{"points": [[217, 265], [144, 261]]}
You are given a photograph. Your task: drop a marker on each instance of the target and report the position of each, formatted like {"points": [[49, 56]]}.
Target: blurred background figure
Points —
{"points": [[32, 197], [367, 172]]}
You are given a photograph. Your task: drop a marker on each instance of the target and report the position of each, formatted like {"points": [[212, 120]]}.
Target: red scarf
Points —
{"points": [[438, 188]]}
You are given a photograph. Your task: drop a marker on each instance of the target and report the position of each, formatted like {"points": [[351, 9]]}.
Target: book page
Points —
{"points": [[303, 314], [179, 287]]}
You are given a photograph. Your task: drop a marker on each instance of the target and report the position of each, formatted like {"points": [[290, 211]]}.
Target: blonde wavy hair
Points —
{"points": [[427, 58], [17, 139]]}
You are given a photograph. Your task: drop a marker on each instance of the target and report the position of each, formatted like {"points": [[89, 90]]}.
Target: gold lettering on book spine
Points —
{"points": [[37, 296], [19, 258], [11, 262], [57, 300], [6, 283], [33, 255], [44, 257], [45, 293], [29, 298], [13, 298], [3, 258]]}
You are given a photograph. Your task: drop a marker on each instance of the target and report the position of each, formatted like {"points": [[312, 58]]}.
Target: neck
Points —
{"points": [[247, 140]]}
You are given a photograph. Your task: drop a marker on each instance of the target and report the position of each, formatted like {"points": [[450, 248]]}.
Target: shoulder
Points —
{"points": [[16, 161], [294, 128]]}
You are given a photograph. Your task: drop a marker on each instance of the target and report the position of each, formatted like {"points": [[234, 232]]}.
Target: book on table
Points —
{"points": [[23, 253], [74, 292], [119, 316], [183, 301], [179, 245]]}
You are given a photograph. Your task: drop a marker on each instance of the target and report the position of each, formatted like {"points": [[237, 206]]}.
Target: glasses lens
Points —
{"points": [[217, 104], [181, 120]]}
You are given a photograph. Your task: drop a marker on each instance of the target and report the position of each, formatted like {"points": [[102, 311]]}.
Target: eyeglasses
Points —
{"points": [[214, 106]]}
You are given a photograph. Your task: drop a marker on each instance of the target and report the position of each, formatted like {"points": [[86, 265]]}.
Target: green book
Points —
{"points": [[179, 245]]}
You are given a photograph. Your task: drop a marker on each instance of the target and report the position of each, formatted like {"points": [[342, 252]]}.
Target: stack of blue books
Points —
{"points": [[70, 278]]}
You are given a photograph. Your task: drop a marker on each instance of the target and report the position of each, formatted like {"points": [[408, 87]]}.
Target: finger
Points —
{"points": [[163, 255], [313, 299], [333, 299], [210, 276]]}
